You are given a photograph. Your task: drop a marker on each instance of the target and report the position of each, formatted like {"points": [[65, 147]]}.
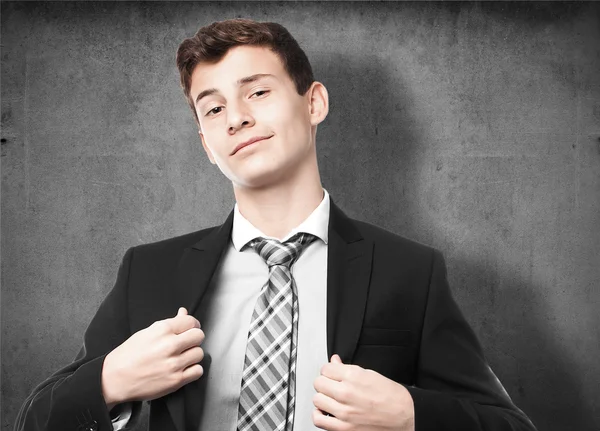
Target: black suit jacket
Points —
{"points": [[389, 309]]}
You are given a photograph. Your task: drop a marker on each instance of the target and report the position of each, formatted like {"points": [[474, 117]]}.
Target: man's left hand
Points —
{"points": [[351, 398]]}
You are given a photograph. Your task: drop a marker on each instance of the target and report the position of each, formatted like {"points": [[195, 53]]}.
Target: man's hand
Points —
{"points": [[351, 398], [154, 361]]}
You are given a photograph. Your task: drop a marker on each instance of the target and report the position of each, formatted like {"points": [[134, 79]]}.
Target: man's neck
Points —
{"points": [[277, 210]]}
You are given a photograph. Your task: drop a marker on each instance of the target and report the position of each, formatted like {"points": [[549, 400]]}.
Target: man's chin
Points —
{"points": [[258, 180]]}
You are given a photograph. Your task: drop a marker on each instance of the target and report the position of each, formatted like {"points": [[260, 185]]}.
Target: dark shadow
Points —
{"points": [[366, 147], [370, 153]]}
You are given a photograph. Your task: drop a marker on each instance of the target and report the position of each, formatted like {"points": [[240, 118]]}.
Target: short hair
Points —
{"points": [[211, 43]]}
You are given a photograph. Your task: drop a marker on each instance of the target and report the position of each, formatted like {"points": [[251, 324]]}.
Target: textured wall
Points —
{"points": [[473, 128]]}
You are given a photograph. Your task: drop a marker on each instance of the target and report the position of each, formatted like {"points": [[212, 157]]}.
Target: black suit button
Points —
{"points": [[92, 426]]}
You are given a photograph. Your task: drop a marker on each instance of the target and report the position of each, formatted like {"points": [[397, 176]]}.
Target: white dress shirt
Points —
{"points": [[226, 312]]}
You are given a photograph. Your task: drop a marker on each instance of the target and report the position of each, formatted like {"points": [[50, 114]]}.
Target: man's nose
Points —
{"points": [[238, 116]]}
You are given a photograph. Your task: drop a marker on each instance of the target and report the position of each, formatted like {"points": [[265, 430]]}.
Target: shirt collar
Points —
{"points": [[316, 224]]}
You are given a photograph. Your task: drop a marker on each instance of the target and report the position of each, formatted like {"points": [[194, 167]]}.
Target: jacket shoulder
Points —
{"points": [[395, 243], [174, 244]]}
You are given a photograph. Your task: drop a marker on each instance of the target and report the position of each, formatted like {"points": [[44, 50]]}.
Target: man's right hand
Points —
{"points": [[154, 361]]}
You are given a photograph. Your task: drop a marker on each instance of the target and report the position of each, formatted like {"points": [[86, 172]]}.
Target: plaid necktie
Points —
{"points": [[267, 395]]}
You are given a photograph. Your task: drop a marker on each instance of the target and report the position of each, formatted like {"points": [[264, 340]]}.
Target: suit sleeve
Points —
{"points": [[71, 399], [455, 388]]}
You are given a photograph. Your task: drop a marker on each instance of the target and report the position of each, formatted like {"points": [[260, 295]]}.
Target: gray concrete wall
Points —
{"points": [[471, 127]]}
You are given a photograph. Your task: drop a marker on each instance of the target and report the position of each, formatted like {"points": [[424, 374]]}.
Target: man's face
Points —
{"points": [[248, 95]]}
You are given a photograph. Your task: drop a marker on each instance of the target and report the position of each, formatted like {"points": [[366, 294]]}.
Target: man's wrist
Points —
{"points": [[408, 417], [109, 392]]}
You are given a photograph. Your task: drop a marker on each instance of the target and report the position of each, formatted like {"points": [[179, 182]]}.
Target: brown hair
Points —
{"points": [[211, 43]]}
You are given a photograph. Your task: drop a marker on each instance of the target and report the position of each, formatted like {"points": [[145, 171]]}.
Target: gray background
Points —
{"points": [[473, 128]]}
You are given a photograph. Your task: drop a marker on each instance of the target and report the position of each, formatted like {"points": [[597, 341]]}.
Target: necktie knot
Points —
{"points": [[281, 253]]}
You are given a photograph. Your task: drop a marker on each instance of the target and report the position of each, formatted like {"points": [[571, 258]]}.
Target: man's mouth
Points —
{"points": [[249, 142]]}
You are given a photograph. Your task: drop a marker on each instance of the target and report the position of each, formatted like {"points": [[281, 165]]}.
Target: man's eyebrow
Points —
{"points": [[240, 82], [253, 78]]}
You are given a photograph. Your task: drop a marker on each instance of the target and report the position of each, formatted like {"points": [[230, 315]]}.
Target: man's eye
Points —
{"points": [[260, 92], [213, 111]]}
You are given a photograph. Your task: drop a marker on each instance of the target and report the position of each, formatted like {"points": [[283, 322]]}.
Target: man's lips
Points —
{"points": [[249, 142]]}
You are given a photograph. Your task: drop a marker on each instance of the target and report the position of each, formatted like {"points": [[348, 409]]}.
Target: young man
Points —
{"points": [[310, 320]]}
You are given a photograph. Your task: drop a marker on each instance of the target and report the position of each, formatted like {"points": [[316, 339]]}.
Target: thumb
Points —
{"points": [[335, 359], [183, 312]]}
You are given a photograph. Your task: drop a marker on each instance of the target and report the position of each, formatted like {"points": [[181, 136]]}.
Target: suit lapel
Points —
{"points": [[194, 274], [198, 263], [349, 260]]}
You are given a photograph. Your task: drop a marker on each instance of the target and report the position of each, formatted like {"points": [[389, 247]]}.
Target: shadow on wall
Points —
{"points": [[367, 145], [370, 155]]}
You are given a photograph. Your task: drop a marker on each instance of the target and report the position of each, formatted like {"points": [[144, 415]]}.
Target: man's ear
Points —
{"points": [[208, 152], [318, 100]]}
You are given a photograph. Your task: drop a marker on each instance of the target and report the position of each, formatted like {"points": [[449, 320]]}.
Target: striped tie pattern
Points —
{"points": [[267, 395]]}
